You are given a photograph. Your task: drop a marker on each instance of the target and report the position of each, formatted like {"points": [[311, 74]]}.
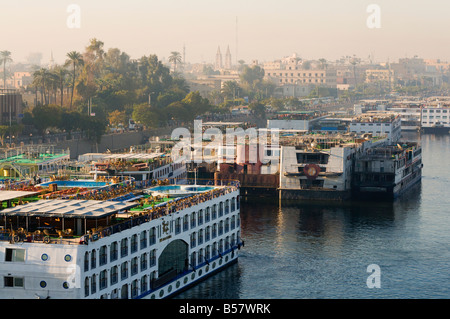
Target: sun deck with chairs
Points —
{"points": [[58, 220]]}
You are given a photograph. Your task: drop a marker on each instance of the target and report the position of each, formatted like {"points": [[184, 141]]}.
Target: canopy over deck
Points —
{"points": [[8, 195], [133, 156], [68, 208]]}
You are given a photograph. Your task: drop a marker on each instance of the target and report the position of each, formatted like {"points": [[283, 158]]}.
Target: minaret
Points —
{"points": [[218, 59], [52, 61], [228, 59]]}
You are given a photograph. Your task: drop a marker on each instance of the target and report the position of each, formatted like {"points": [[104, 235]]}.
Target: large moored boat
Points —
{"points": [[133, 245], [387, 171]]}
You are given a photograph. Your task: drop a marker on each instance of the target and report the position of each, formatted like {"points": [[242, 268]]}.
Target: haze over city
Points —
{"points": [[146, 145], [263, 30]]}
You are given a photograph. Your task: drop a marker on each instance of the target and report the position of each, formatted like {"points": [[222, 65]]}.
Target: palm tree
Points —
{"points": [[95, 48], [61, 73], [230, 89], [75, 59], [215, 96], [53, 84], [5, 57], [174, 58], [41, 78], [94, 60], [37, 83]]}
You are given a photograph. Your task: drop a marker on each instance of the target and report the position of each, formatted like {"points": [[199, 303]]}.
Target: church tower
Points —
{"points": [[228, 59], [218, 65]]}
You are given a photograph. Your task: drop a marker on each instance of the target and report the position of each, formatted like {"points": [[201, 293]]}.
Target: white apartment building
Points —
{"points": [[374, 76], [292, 71]]}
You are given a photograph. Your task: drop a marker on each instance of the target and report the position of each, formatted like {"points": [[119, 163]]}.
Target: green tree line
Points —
{"points": [[101, 87]]}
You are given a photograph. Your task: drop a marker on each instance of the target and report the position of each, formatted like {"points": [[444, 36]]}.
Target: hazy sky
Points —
{"points": [[267, 29]]}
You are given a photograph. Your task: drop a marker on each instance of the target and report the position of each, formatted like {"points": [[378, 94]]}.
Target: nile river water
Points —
{"points": [[320, 250]]}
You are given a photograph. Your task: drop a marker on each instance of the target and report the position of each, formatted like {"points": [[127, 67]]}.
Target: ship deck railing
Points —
{"points": [[130, 219]]}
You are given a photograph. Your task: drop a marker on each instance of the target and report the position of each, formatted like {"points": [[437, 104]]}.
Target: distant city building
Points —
{"points": [[294, 121], [417, 71], [206, 84], [437, 64], [18, 80], [297, 77], [374, 76], [10, 106], [22, 79], [293, 90]]}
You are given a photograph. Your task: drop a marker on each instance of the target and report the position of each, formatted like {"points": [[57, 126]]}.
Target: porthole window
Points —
{"points": [[186, 280], [43, 284], [178, 284], [67, 258], [44, 257], [193, 276], [169, 289], [161, 293], [66, 285]]}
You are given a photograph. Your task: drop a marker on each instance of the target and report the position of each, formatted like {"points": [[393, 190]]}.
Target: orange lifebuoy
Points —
{"points": [[311, 171]]}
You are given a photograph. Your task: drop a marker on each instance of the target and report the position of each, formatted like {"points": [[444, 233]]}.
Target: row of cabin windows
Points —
{"points": [[217, 248], [124, 291], [304, 81], [211, 232], [134, 244], [298, 74], [116, 273], [198, 218], [119, 272], [144, 284], [121, 249], [195, 219], [161, 172], [210, 213], [176, 166]]}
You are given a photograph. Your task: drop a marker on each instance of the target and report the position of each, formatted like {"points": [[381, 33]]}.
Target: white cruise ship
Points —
{"points": [[320, 166], [149, 246], [436, 118], [142, 167]]}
